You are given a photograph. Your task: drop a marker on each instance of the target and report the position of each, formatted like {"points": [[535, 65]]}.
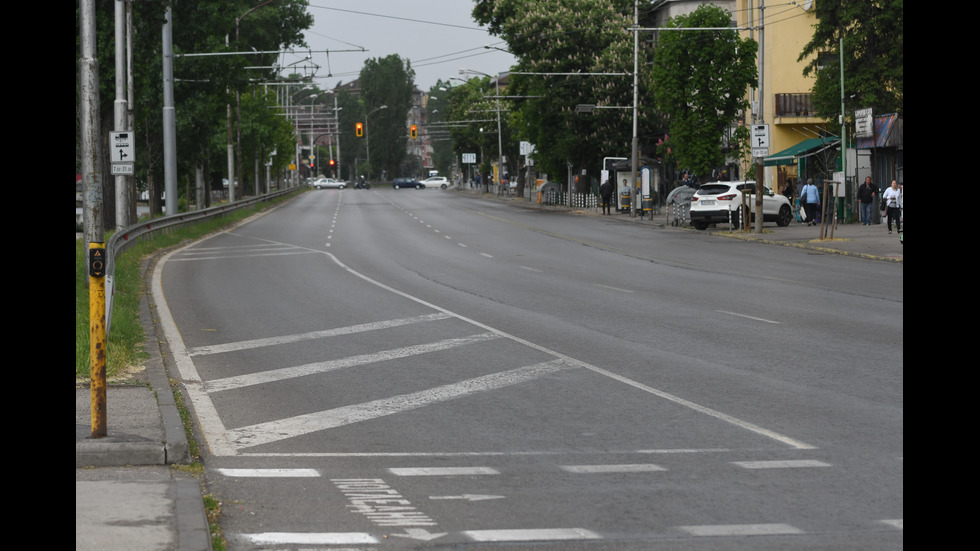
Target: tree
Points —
{"points": [[872, 32], [567, 36], [202, 84], [700, 79], [387, 81]]}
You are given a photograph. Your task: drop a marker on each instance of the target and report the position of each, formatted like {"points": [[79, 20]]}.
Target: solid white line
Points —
{"points": [[442, 471], [784, 464], [270, 473], [273, 431], [546, 534], [211, 425], [528, 453], [741, 530], [747, 317], [602, 469], [275, 375], [311, 538], [286, 339]]}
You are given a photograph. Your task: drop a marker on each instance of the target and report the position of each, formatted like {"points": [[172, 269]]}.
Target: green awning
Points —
{"points": [[805, 148]]}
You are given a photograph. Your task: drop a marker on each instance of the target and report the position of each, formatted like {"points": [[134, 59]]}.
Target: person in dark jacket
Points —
{"points": [[605, 194], [866, 196]]}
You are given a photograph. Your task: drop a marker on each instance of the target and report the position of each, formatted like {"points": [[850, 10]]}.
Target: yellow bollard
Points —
{"points": [[97, 337]]}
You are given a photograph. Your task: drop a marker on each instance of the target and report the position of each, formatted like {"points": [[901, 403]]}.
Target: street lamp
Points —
{"points": [[500, 136], [367, 138]]}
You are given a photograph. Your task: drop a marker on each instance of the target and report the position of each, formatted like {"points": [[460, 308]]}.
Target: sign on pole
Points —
{"points": [[760, 140], [121, 152], [469, 158]]}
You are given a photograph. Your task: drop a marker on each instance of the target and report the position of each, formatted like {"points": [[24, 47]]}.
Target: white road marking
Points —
{"points": [[603, 469], [340, 331], [741, 530], [613, 288], [274, 375], [220, 441], [486, 255], [229, 256], [896, 523], [525, 453], [274, 431], [311, 538], [783, 464], [747, 317], [528, 268], [545, 534], [442, 471], [270, 473]]}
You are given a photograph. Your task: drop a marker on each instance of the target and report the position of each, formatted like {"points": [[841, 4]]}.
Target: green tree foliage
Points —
{"points": [[203, 86], [567, 36], [872, 32], [387, 81], [700, 82]]}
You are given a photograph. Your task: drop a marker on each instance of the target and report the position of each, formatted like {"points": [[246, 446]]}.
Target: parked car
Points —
{"points": [[721, 202], [407, 183], [328, 183], [436, 182]]}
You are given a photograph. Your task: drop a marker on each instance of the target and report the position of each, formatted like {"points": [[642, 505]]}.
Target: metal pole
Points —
{"points": [[119, 112], [88, 67], [170, 118], [636, 100]]}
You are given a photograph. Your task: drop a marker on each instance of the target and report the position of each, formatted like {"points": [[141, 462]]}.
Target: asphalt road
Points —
{"points": [[416, 369]]}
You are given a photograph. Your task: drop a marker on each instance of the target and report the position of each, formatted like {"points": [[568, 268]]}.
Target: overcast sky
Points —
{"points": [[439, 37]]}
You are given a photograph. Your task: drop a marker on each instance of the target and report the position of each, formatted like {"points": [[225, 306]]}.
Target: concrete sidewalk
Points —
{"points": [[127, 496]]}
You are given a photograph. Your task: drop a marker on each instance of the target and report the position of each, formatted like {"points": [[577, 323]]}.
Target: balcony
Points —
{"points": [[794, 105]]}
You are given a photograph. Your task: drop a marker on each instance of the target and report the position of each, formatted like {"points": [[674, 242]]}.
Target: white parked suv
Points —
{"points": [[721, 202]]}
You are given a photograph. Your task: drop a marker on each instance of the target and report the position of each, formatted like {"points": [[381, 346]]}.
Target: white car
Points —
{"points": [[327, 183], [440, 182], [721, 202]]}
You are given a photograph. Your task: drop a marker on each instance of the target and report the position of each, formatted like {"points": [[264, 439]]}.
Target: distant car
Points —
{"points": [[328, 183], [407, 183], [721, 202], [436, 182]]}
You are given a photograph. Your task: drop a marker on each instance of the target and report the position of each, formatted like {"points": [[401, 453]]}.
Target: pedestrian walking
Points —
{"points": [[892, 199], [605, 195], [866, 197], [810, 199]]}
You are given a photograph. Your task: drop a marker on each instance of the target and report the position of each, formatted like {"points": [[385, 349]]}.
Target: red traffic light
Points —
{"points": [[332, 162], [415, 131], [359, 130]]}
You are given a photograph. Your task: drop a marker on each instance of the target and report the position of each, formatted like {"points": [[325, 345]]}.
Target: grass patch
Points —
{"points": [[125, 352]]}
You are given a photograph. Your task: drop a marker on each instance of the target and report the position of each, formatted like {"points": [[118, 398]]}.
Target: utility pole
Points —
{"points": [[88, 70]]}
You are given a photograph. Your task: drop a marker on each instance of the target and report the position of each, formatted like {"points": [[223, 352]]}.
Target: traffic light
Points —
{"points": [[415, 131], [333, 163], [359, 129]]}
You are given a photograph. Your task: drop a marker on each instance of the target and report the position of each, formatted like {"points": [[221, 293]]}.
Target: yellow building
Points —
{"points": [[801, 144]]}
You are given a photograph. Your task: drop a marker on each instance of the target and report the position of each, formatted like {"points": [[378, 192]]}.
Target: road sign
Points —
{"points": [[760, 136], [469, 158], [121, 148]]}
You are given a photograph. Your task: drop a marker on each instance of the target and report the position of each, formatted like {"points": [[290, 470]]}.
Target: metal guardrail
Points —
{"points": [[127, 237]]}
